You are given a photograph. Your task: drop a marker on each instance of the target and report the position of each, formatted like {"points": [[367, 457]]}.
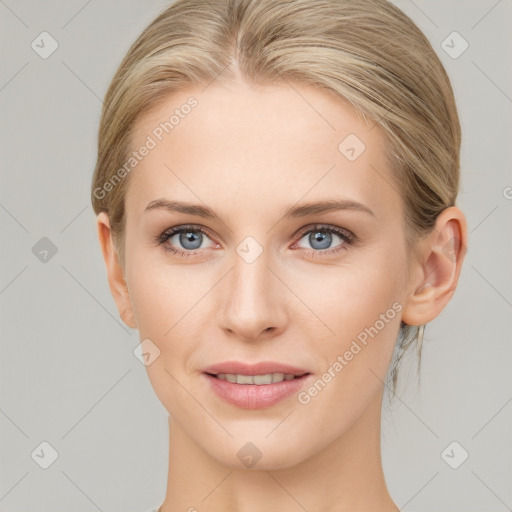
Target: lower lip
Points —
{"points": [[252, 396]]}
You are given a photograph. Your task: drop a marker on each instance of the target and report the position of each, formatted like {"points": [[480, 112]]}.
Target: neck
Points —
{"points": [[345, 476]]}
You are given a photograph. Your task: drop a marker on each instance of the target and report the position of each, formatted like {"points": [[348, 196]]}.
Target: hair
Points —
{"points": [[367, 53]]}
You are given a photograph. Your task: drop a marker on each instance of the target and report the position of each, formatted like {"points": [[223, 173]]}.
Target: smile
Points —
{"points": [[258, 380]]}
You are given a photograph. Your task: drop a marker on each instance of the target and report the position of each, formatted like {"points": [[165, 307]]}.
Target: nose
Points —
{"points": [[253, 301]]}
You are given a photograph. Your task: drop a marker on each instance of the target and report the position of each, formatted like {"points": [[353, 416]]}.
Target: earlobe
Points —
{"points": [[115, 274], [439, 269]]}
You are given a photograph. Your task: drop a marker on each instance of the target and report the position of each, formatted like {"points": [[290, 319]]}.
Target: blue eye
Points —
{"points": [[189, 239], [322, 237]]}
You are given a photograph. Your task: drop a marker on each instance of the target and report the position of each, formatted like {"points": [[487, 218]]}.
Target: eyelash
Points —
{"points": [[347, 237]]}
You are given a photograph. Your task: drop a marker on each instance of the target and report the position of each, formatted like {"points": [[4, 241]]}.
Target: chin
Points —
{"points": [[256, 453]]}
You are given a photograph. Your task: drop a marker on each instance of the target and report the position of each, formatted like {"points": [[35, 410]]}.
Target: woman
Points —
{"points": [[275, 196]]}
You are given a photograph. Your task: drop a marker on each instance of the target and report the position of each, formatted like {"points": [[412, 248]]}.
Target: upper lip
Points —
{"points": [[262, 368]]}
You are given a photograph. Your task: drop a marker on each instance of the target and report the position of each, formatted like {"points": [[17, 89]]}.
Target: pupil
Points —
{"points": [[190, 237], [322, 238]]}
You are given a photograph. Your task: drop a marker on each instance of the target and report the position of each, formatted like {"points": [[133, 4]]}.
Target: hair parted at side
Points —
{"points": [[366, 52]]}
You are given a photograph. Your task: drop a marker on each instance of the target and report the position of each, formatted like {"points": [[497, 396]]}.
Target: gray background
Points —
{"points": [[67, 372]]}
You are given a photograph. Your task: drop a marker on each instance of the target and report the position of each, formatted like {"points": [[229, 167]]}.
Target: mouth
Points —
{"points": [[256, 380], [255, 386]]}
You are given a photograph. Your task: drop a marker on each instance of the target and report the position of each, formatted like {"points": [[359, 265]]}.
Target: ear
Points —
{"points": [[437, 273], [116, 280]]}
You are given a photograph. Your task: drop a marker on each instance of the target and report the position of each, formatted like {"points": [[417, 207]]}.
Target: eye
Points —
{"points": [[321, 239], [188, 240], [184, 240]]}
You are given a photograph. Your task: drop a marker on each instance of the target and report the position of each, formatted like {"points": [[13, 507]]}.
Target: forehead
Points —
{"points": [[255, 145]]}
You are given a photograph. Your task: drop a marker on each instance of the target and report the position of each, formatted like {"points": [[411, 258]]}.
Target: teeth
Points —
{"points": [[259, 380], [244, 379]]}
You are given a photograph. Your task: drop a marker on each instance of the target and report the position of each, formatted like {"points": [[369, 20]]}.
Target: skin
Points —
{"points": [[249, 154]]}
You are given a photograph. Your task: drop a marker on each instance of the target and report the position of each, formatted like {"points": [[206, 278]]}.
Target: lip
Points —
{"points": [[252, 396], [261, 368]]}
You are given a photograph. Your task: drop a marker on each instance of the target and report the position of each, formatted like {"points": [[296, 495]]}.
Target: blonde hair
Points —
{"points": [[366, 52]]}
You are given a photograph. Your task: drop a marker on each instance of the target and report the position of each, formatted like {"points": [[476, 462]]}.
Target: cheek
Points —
{"points": [[360, 303], [167, 305], [160, 293], [363, 310], [164, 301], [349, 298]]}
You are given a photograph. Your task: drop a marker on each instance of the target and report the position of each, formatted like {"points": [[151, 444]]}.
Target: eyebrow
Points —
{"points": [[314, 208]]}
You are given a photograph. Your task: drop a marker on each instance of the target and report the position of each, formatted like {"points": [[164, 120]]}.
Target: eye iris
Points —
{"points": [[191, 236], [325, 239]]}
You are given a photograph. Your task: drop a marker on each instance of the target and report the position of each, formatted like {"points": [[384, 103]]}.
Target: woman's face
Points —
{"points": [[266, 277]]}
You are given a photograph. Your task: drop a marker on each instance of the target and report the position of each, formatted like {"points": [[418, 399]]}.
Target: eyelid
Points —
{"points": [[326, 227], [184, 227], [347, 236], [163, 237]]}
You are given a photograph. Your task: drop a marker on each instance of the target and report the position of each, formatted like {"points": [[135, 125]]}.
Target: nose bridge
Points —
{"points": [[254, 302]]}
